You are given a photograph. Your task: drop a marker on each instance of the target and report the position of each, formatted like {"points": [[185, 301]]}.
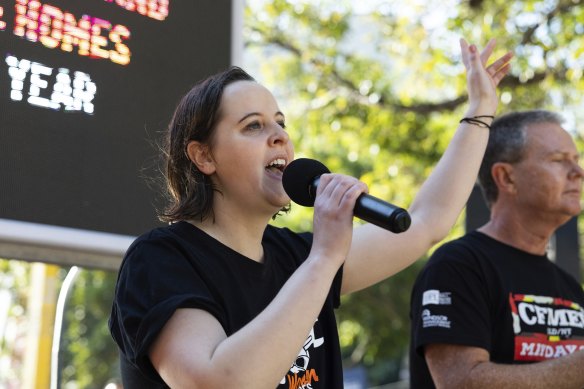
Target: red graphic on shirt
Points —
{"points": [[546, 327]]}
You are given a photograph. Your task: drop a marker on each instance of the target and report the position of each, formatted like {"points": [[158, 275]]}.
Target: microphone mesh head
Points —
{"points": [[298, 178]]}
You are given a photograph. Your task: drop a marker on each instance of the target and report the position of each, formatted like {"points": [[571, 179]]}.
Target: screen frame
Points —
{"points": [[67, 246]]}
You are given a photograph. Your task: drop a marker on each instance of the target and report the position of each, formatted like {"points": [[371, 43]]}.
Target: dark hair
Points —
{"points": [[195, 118], [507, 141]]}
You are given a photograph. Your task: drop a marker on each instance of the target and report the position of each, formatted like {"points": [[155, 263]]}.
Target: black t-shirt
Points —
{"points": [[180, 266], [479, 292]]}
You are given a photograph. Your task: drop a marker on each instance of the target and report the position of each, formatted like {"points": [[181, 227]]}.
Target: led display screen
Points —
{"points": [[86, 89]]}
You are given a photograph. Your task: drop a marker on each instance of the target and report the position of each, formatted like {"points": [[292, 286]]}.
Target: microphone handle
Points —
{"points": [[375, 211], [382, 213]]}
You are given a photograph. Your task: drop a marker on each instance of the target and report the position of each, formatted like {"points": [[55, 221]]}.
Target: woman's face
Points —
{"points": [[250, 149]]}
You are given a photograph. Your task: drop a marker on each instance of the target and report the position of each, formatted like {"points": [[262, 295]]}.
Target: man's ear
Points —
{"points": [[504, 177], [200, 155]]}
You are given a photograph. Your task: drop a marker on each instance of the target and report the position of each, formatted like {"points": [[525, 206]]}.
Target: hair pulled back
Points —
{"points": [[190, 192]]}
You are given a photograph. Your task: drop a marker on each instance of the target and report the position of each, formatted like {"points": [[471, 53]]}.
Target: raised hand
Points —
{"points": [[482, 80]]}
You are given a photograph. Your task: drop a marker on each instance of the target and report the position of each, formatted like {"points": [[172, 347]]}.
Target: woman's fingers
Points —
{"points": [[469, 53], [475, 58], [337, 189], [464, 50], [498, 69], [501, 72], [500, 63], [487, 51]]}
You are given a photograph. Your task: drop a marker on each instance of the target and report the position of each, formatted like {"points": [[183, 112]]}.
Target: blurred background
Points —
{"points": [[373, 89]]}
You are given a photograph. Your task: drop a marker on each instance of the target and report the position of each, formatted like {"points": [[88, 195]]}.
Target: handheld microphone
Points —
{"points": [[300, 181]]}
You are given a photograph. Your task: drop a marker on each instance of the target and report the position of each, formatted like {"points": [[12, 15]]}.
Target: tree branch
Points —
{"points": [[276, 38]]}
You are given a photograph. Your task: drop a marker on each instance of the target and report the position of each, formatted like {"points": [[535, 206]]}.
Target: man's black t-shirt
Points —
{"points": [[479, 292], [180, 266]]}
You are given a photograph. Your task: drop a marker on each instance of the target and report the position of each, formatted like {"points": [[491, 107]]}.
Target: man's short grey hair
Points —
{"points": [[507, 142]]}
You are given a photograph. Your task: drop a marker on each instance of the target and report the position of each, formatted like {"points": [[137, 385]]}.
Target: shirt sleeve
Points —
{"points": [[450, 302], [155, 280]]}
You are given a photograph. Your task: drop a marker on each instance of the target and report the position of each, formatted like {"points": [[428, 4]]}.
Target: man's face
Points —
{"points": [[549, 178]]}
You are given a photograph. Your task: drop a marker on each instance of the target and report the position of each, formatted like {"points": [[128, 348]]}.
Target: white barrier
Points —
{"points": [[61, 245]]}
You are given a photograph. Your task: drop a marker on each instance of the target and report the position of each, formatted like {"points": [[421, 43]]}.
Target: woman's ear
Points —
{"points": [[503, 176], [200, 155]]}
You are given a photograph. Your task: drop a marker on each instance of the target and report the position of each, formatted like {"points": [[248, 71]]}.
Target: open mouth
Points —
{"points": [[277, 165]]}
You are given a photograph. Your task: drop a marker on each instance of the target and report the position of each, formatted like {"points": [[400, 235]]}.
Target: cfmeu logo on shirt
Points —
{"points": [[546, 327]]}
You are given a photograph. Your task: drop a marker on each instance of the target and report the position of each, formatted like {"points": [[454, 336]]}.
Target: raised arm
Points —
{"points": [[454, 366], [375, 253]]}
